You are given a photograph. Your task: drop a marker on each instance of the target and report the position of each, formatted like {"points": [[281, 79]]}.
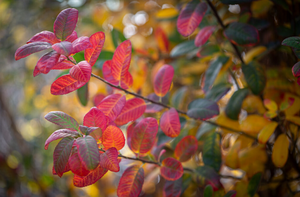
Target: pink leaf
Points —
{"points": [[106, 70], [67, 168], [95, 118], [71, 38], [190, 17], [65, 84], [61, 133], [44, 36], [97, 40], [65, 23], [81, 71], [170, 123], [113, 137], [30, 48], [109, 160], [76, 166], [133, 109], [90, 179], [186, 148], [126, 80], [80, 44], [204, 35], [46, 63], [163, 80], [171, 169], [63, 63], [98, 98], [64, 48], [112, 105], [131, 182]]}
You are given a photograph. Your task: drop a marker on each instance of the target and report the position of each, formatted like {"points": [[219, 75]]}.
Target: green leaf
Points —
{"points": [[234, 105], [183, 48], [231, 193], [117, 37], [88, 152], [254, 184], [293, 42], [178, 97], [218, 91], [104, 56], [212, 151], [208, 49], [62, 119], [203, 109], [83, 94], [208, 191], [207, 175], [79, 56], [213, 71], [242, 34], [205, 128], [176, 140], [255, 77]]}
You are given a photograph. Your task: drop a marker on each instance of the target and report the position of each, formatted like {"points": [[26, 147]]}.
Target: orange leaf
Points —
{"points": [[112, 105], [171, 169], [113, 137], [186, 148], [266, 132]]}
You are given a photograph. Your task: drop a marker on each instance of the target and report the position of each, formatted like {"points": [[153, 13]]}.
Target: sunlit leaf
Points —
{"points": [[91, 178], [186, 148], [46, 63], [163, 80], [83, 94], [95, 118], [112, 136], [203, 109], [207, 175], [131, 182], [97, 40], [208, 191], [254, 184], [58, 134], [204, 35], [172, 188], [266, 132], [44, 36], [171, 169], [255, 77], [280, 151], [63, 48], [234, 105], [88, 152], [112, 105], [212, 151], [65, 23], [169, 123], [109, 160], [63, 63], [30, 48], [61, 154], [65, 84], [76, 165], [190, 17], [62, 119], [81, 71]]}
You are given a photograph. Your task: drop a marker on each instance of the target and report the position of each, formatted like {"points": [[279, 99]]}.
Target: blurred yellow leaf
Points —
{"points": [[255, 153], [224, 120], [280, 150], [295, 107], [270, 105], [231, 159], [253, 124], [250, 55], [253, 104], [266, 132], [293, 119], [167, 13]]}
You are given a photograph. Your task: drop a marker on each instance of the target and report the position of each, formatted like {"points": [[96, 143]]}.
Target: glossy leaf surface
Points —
{"points": [[113, 137], [44, 36], [163, 80], [183, 48], [62, 119], [112, 105], [90, 179], [65, 84], [169, 123], [109, 160], [95, 118], [234, 105], [171, 169], [80, 44], [212, 151], [172, 188], [255, 77], [293, 42], [186, 148], [97, 40], [280, 151], [81, 71], [76, 165], [88, 152], [63, 48], [46, 63], [65, 23], [204, 35], [203, 109], [30, 48], [218, 91], [61, 133]]}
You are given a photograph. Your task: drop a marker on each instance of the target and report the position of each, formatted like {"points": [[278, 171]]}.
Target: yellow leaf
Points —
{"points": [[255, 167], [167, 13], [280, 150], [241, 188], [270, 105], [225, 121], [253, 124], [249, 155], [293, 119], [266, 132], [253, 53], [253, 104], [295, 107], [260, 8], [231, 159]]}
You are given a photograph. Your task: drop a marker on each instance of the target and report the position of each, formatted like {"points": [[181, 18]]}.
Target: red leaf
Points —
{"points": [[172, 188], [143, 135], [121, 60], [88, 152], [95, 118], [44, 36], [113, 137], [61, 133], [71, 38], [81, 71], [204, 35], [112, 105], [63, 63], [171, 169], [161, 40], [190, 17], [28, 49], [46, 63], [170, 123], [65, 84], [67, 168], [80, 44], [64, 48], [61, 155], [131, 182], [76, 166], [109, 160], [90, 179], [98, 98], [106, 70], [163, 80], [65, 23], [126, 80], [186, 148], [97, 40], [133, 109], [129, 133]]}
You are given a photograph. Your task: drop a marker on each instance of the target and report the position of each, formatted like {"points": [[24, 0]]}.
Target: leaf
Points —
{"points": [[280, 151], [63, 48], [293, 42], [266, 132], [153, 108], [44, 36], [61, 154], [178, 97], [76, 166], [90, 179], [231, 193], [65, 23], [113, 137], [204, 128], [30, 48], [254, 52], [270, 105], [208, 50], [172, 188], [112, 105], [87, 130], [83, 94], [208, 191], [109, 160], [46, 63], [80, 44], [203, 109], [117, 37], [213, 71], [169, 123], [133, 109], [232, 159], [166, 14], [296, 70], [67, 169], [95, 118], [254, 184], [190, 17], [63, 63], [98, 98], [72, 37], [97, 40], [204, 35], [131, 182], [106, 70], [255, 77], [171, 169], [183, 48], [242, 34], [234, 105], [207, 175], [143, 135], [286, 104], [212, 151], [58, 134], [218, 91], [65, 84], [161, 40], [186, 148], [88, 152], [163, 80], [81, 71], [62, 119]]}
